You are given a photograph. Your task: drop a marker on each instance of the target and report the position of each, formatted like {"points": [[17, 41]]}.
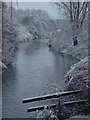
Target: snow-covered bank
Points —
{"points": [[77, 79], [77, 76], [62, 43], [62, 40], [13, 33], [9, 43], [23, 34]]}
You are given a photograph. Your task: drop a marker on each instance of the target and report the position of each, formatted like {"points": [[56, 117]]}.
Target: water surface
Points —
{"points": [[36, 71]]}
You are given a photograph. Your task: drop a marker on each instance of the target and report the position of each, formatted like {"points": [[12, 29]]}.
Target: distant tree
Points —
{"points": [[76, 12], [27, 20]]}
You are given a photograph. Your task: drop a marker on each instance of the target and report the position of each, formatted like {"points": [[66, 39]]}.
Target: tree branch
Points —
{"points": [[84, 13], [68, 8]]}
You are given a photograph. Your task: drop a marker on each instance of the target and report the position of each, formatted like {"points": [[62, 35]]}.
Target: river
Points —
{"points": [[36, 71]]}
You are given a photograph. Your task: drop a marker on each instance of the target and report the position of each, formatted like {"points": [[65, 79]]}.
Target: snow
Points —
{"points": [[77, 76], [2, 66], [47, 114], [62, 40], [23, 34], [9, 44], [11, 41]]}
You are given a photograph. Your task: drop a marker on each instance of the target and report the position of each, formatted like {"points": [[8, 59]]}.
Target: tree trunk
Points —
{"points": [[75, 41], [75, 29]]}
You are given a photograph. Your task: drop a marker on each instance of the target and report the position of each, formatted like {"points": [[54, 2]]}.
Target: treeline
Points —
{"points": [[37, 22], [9, 42]]}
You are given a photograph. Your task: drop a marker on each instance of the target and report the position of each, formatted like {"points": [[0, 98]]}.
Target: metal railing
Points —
{"points": [[55, 96]]}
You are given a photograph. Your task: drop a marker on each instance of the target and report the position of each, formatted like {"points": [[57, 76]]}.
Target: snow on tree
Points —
{"points": [[76, 12], [38, 22], [9, 42]]}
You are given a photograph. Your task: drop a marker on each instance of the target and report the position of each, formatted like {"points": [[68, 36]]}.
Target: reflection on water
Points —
{"points": [[35, 71]]}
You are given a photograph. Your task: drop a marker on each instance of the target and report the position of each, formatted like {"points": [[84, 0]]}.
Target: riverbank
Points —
{"points": [[62, 43], [10, 47], [77, 77]]}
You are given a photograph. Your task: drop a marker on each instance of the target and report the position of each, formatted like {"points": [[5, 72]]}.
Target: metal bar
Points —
{"points": [[75, 102], [40, 98], [54, 105], [40, 108], [55, 95]]}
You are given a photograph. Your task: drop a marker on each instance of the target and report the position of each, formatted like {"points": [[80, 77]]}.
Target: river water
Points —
{"points": [[36, 71]]}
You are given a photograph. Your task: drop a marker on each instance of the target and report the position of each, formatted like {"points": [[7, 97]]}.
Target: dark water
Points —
{"points": [[36, 71]]}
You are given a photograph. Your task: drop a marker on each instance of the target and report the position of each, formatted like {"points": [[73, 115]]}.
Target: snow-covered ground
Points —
{"points": [[77, 76], [76, 79], [62, 42]]}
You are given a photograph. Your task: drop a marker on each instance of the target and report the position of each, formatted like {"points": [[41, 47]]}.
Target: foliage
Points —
{"points": [[9, 38]]}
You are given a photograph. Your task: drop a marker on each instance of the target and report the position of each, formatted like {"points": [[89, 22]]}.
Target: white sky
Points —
{"points": [[47, 6]]}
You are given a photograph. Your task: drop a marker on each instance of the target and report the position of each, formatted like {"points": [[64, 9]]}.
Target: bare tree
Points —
{"points": [[77, 12]]}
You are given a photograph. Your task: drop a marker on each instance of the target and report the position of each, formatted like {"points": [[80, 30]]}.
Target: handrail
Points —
{"points": [[55, 95], [40, 107], [54, 105]]}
